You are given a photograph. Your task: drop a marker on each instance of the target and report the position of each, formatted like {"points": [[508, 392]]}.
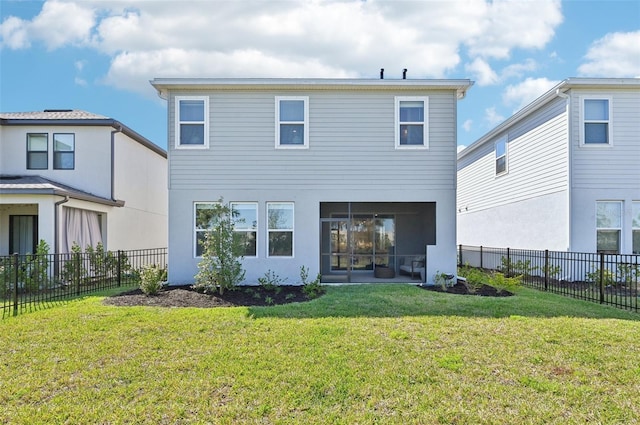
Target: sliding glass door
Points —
{"points": [[362, 242]]}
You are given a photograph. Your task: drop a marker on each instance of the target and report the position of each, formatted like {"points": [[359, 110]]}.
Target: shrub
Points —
{"points": [[504, 283], [475, 278], [445, 280], [271, 281], [607, 279], [152, 279], [311, 289], [517, 268]]}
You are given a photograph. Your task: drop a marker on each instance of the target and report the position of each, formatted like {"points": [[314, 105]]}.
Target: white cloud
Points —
{"points": [[492, 117], [461, 148], [615, 55], [520, 95], [467, 125], [481, 71], [312, 39], [515, 24]]}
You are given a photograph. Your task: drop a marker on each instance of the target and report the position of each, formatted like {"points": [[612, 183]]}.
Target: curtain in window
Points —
{"points": [[81, 227]]}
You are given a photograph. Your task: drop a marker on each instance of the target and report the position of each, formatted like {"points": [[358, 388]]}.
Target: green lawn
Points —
{"points": [[359, 354]]}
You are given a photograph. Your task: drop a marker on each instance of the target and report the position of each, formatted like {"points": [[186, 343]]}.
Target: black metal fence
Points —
{"points": [[29, 282], [605, 278]]}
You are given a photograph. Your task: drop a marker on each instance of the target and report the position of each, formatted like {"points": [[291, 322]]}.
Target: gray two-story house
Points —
{"points": [[347, 177], [561, 174]]}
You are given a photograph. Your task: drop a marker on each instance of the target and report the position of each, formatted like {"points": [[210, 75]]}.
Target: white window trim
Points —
{"points": [[425, 124], [292, 230], [177, 100], [506, 156], [634, 205], [619, 229], [609, 121], [194, 241], [255, 204], [305, 145]]}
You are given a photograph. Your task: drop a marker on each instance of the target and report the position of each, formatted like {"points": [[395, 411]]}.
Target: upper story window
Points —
{"points": [[64, 151], [192, 122], [292, 122], [411, 122], [501, 156], [608, 226], [37, 151], [596, 127], [245, 224]]}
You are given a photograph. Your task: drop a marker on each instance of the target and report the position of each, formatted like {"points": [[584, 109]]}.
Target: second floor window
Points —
{"points": [[411, 122], [501, 156], [292, 118], [64, 151], [596, 122], [192, 123], [37, 151]]}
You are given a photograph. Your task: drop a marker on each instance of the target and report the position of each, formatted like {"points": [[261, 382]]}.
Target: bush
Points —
{"points": [[271, 281], [312, 289], [475, 278], [445, 280], [503, 283], [152, 279]]}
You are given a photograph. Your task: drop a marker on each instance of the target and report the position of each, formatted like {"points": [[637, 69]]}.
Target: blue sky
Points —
{"points": [[99, 56]]}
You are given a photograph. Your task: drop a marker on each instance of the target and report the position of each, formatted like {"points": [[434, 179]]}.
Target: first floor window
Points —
{"points": [[501, 156], [635, 226], [245, 224], [64, 151], [192, 122], [203, 221], [280, 229], [411, 122], [37, 151], [608, 226]]}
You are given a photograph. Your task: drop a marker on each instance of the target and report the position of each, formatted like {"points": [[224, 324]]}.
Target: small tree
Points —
{"points": [[223, 249]]}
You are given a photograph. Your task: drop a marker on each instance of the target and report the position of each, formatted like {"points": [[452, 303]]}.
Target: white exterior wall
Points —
{"points": [[351, 158], [92, 172], [605, 173], [141, 181], [528, 207], [42, 206]]}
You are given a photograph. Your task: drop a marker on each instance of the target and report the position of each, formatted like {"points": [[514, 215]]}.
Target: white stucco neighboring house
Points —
{"points": [[561, 174], [72, 176], [351, 178]]}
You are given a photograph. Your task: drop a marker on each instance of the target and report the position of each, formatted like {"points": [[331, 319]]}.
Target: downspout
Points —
{"points": [[567, 98]]}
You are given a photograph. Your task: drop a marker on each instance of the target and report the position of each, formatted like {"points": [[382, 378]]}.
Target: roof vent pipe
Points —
{"points": [[382, 73], [404, 74]]}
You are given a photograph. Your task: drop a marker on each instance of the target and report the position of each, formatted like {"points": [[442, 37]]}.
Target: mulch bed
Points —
{"points": [[185, 296], [461, 289]]}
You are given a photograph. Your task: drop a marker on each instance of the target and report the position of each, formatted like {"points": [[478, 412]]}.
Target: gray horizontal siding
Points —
{"points": [[617, 166], [537, 163], [351, 144]]}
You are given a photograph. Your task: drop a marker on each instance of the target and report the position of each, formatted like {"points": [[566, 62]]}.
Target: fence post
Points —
{"points": [[508, 263], [601, 272], [481, 266], [460, 262], [15, 284], [78, 262], [119, 270], [546, 269]]}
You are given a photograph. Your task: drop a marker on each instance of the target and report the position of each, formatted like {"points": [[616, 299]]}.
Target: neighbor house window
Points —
{"points": [[280, 229], [292, 122], [596, 126], [635, 226], [204, 220], [501, 156], [37, 151], [245, 224], [608, 226], [192, 122], [411, 122], [64, 151]]}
